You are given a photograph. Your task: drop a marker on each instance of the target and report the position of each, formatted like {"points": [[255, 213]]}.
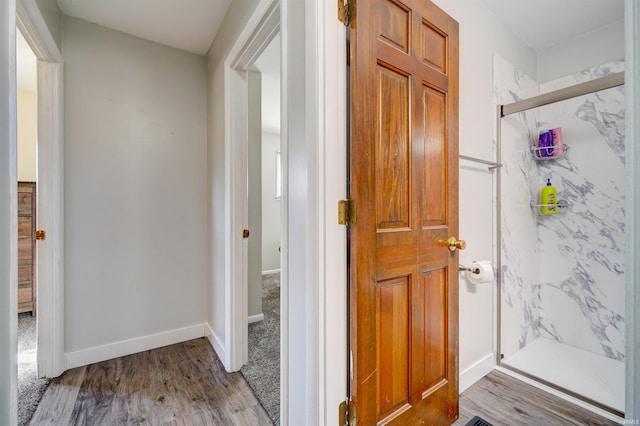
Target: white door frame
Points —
{"points": [[50, 189], [313, 154], [327, 42], [261, 28], [8, 217], [632, 192]]}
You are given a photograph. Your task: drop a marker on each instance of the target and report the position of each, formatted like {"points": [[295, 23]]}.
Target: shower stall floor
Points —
{"points": [[585, 373]]}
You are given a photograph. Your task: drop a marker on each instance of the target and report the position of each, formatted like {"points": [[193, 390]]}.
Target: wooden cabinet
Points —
{"points": [[26, 247]]}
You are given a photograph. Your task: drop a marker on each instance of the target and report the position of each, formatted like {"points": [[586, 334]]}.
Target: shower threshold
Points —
{"points": [[584, 374]]}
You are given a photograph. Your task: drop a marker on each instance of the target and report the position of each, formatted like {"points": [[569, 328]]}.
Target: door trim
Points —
{"points": [[261, 28], [632, 192], [330, 119], [50, 212], [321, 367]]}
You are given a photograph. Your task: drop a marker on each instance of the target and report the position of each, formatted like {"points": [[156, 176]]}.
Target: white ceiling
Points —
{"points": [[541, 24], [189, 25]]}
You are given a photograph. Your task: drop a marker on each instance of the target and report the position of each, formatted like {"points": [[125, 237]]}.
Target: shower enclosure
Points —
{"points": [[561, 295]]}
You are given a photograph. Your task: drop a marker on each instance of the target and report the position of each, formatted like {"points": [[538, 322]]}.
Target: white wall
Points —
{"points": [[237, 15], [135, 192], [581, 53], [27, 135], [254, 183], [481, 36], [8, 218], [300, 206], [270, 205], [268, 63]]}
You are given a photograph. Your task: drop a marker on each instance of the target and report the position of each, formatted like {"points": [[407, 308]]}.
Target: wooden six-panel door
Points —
{"points": [[404, 180]]}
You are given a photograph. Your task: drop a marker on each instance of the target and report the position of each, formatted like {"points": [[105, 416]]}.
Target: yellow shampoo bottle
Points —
{"points": [[548, 199]]}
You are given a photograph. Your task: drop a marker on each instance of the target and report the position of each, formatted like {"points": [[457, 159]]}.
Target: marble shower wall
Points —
{"points": [[520, 269], [582, 252], [563, 275]]}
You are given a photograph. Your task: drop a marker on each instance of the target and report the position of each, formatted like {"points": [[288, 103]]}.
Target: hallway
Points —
{"points": [[181, 384], [186, 384]]}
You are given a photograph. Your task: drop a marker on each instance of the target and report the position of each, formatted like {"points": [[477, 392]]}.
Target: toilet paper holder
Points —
{"points": [[463, 268]]}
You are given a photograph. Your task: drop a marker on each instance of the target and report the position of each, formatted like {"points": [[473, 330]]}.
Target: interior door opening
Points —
{"points": [[262, 369], [30, 383]]}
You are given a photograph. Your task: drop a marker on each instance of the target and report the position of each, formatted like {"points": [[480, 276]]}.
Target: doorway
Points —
{"points": [[30, 385], [243, 198], [262, 370], [49, 252]]}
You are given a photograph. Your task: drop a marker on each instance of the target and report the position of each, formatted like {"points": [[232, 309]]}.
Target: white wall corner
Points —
{"points": [[477, 371], [135, 345], [216, 343]]}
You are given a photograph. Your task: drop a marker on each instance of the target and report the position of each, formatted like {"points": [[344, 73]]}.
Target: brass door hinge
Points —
{"points": [[347, 413], [346, 11], [346, 212]]}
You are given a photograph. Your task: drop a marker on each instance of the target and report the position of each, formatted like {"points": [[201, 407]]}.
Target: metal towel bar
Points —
{"points": [[491, 164]]}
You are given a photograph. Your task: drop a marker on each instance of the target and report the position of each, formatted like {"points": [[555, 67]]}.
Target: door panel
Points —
{"points": [[392, 153], [404, 165], [394, 25], [434, 190], [393, 314], [433, 47]]}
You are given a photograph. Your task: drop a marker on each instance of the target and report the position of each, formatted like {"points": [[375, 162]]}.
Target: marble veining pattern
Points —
{"points": [[585, 247], [563, 275], [520, 269]]}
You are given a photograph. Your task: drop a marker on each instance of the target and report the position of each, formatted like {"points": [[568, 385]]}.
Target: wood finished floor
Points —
{"points": [[502, 400], [185, 384], [182, 384]]}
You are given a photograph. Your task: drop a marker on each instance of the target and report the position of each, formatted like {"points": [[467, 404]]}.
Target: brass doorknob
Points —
{"points": [[39, 235], [453, 244]]}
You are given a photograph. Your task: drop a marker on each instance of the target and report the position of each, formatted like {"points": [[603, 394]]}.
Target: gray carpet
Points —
{"points": [[30, 388], [263, 370]]}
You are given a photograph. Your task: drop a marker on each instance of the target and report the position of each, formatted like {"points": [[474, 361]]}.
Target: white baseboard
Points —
{"points": [[255, 318], [132, 346], [477, 371], [271, 271], [216, 343]]}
